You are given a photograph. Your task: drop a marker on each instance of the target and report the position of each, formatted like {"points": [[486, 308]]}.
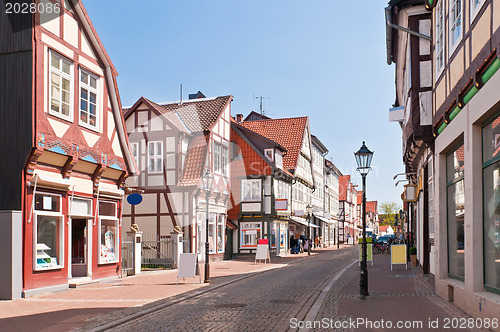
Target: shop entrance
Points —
{"points": [[79, 248]]}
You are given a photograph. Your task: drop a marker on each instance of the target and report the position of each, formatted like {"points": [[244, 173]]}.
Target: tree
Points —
{"points": [[389, 211]]}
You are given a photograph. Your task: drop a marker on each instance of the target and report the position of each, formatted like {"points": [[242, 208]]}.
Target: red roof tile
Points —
{"points": [[288, 132], [344, 181], [195, 157]]}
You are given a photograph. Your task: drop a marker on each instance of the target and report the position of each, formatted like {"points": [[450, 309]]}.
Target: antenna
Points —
{"points": [[261, 104], [181, 96]]}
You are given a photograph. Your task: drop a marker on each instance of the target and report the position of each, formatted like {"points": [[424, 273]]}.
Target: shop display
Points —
{"points": [[43, 260]]}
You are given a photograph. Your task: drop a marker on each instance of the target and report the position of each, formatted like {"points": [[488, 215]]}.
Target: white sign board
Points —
{"points": [[187, 266], [262, 253]]}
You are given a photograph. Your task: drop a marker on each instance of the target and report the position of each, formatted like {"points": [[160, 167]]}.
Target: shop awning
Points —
{"points": [[110, 190], [302, 222], [50, 180], [328, 221], [231, 225]]}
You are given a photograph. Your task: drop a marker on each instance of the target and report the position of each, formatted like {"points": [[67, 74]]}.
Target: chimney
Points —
{"points": [[239, 118], [198, 95]]}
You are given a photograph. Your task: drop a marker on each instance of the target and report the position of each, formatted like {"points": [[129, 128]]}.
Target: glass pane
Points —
{"points": [[158, 149], [66, 68], [55, 62], [54, 105], [84, 94], [66, 84], [83, 116], [92, 109], [56, 93], [151, 165], [108, 250], [55, 79], [158, 165], [107, 209], [456, 241], [47, 203], [93, 97], [93, 82], [47, 242], [65, 109], [92, 120], [83, 105], [65, 96], [84, 78], [491, 230], [491, 140], [151, 149], [455, 164]]}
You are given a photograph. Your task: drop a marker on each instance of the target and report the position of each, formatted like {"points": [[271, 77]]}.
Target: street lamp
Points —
{"points": [[207, 186], [309, 212], [364, 160]]}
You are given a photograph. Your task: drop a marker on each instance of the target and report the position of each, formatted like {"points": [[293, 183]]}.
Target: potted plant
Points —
{"points": [[413, 256]]}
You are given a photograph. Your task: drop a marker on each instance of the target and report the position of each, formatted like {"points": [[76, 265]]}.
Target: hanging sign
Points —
{"points": [[134, 198]]}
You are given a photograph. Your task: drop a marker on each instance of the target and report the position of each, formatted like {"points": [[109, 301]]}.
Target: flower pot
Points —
{"points": [[413, 259]]}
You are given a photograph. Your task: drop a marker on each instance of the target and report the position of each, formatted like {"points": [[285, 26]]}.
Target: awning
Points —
{"points": [[231, 225], [302, 222], [110, 190], [328, 221], [51, 180]]}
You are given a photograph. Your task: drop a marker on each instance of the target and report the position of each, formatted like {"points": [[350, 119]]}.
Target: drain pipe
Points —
{"points": [[389, 25]]}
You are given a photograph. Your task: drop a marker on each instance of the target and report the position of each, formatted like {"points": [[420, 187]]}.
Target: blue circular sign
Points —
{"points": [[134, 199]]}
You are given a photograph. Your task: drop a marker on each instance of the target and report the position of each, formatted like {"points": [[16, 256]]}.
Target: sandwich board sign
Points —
{"points": [[263, 251], [187, 266], [398, 255]]}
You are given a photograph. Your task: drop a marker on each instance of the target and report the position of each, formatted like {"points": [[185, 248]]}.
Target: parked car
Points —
{"points": [[385, 238]]}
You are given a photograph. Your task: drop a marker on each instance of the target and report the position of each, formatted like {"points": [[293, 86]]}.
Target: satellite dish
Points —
{"points": [[134, 198]]}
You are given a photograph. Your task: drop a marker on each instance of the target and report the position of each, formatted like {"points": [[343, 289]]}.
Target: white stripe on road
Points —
{"points": [[321, 298]]}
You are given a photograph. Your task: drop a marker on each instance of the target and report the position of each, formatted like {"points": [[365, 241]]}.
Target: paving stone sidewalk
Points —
{"points": [[74, 308]]}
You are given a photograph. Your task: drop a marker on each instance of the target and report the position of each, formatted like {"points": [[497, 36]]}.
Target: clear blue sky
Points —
{"points": [[321, 58]]}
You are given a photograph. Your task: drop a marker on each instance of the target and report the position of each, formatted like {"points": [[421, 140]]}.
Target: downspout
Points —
{"points": [[389, 25]]}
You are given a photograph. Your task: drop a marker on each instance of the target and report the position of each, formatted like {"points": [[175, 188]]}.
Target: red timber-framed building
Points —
{"points": [[64, 154], [174, 144], [261, 187]]}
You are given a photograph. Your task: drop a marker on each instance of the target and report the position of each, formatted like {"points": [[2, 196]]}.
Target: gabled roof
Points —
{"points": [[253, 116], [288, 132], [195, 161]]}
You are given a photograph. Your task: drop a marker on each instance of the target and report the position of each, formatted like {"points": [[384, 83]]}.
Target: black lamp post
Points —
{"points": [[309, 212], [364, 160], [207, 186]]}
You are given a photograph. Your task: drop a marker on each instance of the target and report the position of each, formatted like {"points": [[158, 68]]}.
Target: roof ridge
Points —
{"points": [[277, 119]]}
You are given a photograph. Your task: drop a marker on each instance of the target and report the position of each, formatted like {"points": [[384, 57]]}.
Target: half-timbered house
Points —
{"points": [[174, 144], [260, 197], [64, 153]]}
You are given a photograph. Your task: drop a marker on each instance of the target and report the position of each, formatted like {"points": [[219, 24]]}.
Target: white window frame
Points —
{"points": [[155, 156], [225, 160], [116, 239], [269, 156], [62, 74], [475, 9], [250, 228], [60, 221], [253, 195], [89, 89], [440, 37], [452, 24], [217, 158], [135, 152]]}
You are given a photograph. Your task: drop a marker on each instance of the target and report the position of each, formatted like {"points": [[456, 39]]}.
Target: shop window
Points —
{"points": [[212, 233], [108, 233], [491, 204], [48, 230], [251, 190], [456, 212], [250, 234]]}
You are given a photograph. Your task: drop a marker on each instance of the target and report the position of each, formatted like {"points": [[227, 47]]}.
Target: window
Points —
{"points": [[212, 232], [491, 204], [108, 233], [456, 212], [251, 190], [88, 100], [48, 229], [135, 152], [217, 158], [269, 154], [155, 157], [250, 234], [220, 232], [475, 7], [455, 17], [439, 48], [60, 86], [225, 160]]}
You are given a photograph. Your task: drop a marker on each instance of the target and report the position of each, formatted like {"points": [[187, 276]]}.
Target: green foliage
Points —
{"points": [[413, 251], [388, 213]]}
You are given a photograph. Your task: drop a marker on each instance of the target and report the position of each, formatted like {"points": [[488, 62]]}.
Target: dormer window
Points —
{"points": [[269, 154]]}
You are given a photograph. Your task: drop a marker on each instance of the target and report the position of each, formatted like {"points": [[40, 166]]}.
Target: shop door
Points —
{"points": [[79, 248], [228, 252]]}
